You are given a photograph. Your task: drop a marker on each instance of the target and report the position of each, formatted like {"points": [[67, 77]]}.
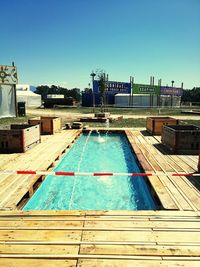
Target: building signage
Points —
{"points": [[165, 90], [113, 87], [8, 75], [146, 89]]}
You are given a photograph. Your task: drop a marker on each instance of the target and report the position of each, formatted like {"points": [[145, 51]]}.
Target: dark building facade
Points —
{"points": [[90, 99]]}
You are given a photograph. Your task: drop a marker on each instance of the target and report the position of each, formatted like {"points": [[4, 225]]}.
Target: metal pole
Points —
{"points": [[132, 85], [93, 94], [130, 92], [15, 94]]}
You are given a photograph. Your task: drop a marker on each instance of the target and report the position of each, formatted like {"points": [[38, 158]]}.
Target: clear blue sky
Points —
{"points": [[61, 41]]}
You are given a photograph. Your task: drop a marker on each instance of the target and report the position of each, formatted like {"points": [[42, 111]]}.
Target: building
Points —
{"points": [[90, 99], [125, 94]]}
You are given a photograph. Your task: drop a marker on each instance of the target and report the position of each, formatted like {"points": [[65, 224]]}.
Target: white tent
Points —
{"points": [[31, 99]]}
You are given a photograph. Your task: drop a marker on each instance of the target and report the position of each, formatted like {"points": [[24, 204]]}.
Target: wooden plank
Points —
{"points": [[145, 250], [182, 164], [177, 236], [191, 195], [78, 256], [165, 157], [141, 236], [142, 224], [166, 200], [179, 199], [145, 165], [189, 161], [178, 160], [38, 249], [147, 155], [50, 235], [6, 262], [41, 224], [136, 263], [98, 214]]}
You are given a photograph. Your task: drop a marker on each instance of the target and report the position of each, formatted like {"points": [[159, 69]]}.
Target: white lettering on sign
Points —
{"points": [[147, 89]]}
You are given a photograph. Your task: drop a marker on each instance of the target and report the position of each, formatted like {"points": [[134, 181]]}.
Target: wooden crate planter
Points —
{"points": [[77, 125], [48, 125], [102, 115], [154, 124], [19, 138], [182, 139]]}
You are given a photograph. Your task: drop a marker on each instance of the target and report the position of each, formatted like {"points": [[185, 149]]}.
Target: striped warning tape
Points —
{"points": [[63, 173]]}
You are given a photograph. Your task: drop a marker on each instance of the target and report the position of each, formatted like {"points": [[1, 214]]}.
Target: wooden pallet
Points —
{"points": [[173, 192], [115, 238], [14, 187]]}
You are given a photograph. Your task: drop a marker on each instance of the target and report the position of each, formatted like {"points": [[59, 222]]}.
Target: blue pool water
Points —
{"points": [[95, 153]]}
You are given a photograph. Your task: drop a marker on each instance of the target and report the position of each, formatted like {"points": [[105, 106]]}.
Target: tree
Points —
{"points": [[44, 90], [191, 95], [102, 79]]}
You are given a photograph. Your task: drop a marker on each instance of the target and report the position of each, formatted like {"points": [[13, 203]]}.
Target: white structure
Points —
{"points": [[146, 100], [169, 100], [136, 100], [24, 94], [122, 100], [8, 80], [23, 87], [7, 101], [55, 96]]}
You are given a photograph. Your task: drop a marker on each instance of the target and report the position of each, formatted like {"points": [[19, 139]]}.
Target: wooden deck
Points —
{"points": [[174, 192], [42, 157], [121, 238], [169, 237]]}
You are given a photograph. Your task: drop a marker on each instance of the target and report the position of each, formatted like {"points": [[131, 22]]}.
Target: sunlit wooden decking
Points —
{"points": [[42, 157], [168, 237], [174, 192], [112, 238]]}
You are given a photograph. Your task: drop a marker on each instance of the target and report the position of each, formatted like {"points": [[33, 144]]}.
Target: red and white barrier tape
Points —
{"points": [[62, 173]]}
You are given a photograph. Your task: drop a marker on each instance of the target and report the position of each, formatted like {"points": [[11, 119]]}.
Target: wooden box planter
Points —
{"points": [[19, 138], [154, 124], [48, 125], [182, 139], [102, 115], [77, 125]]}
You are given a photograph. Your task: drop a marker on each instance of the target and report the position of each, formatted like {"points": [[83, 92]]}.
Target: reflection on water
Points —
{"points": [[105, 180], [100, 139]]}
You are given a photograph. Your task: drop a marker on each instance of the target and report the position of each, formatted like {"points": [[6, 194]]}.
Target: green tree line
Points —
{"points": [[45, 90], [192, 95]]}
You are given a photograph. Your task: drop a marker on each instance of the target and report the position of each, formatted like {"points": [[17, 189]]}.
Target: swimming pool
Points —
{"points": [[95, 152]]}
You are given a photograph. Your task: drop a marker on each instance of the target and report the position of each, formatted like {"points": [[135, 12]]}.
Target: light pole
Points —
{"points": [[171, 94]]}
